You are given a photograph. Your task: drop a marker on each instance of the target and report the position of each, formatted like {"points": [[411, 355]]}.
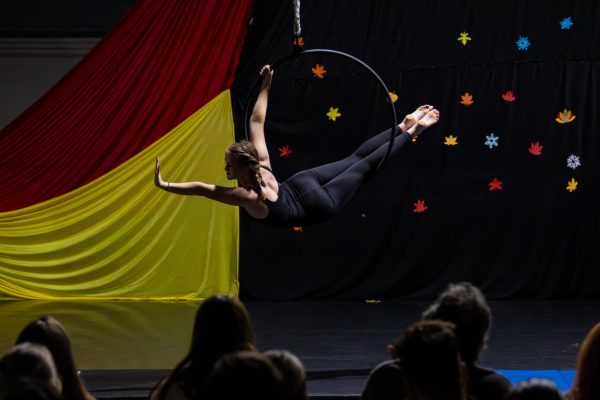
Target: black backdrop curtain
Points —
{"points": [[530, 237]]}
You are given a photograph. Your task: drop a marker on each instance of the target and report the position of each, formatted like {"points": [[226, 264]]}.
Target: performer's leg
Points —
{"points": [[329, 171], [337, 191], [345, 185], [322, 200]]}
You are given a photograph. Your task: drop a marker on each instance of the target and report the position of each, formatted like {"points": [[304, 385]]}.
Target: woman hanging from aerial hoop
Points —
{"points": [[308, 197]]}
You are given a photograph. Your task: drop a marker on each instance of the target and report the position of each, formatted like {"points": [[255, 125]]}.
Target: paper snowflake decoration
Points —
{"points": [[523, 43], [566, 23], [573, 161], [491, 140]]}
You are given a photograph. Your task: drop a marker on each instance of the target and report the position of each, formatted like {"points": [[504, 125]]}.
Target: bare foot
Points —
{"points": [[411, 119], [431, 118]]}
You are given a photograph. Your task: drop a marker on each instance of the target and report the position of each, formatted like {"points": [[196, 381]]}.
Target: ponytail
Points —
{"points": [[246, 154]]}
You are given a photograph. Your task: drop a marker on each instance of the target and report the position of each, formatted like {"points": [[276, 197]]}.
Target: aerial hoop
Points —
{"points": [[301, 53]]}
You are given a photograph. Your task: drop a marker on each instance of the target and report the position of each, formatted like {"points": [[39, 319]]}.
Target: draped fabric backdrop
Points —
{"points": [[80, 217], [503, 192], [121, 238], [162, 62]]}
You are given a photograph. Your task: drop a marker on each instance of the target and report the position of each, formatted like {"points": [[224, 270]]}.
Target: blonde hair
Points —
{"points": [[245, 153]]}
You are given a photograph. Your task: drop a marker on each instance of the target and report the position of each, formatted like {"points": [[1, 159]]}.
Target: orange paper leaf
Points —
{"points": [[318, 71], [466, 99]]}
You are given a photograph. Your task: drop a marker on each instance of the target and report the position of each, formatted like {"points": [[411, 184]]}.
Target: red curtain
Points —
{"points": [[162, 62]]}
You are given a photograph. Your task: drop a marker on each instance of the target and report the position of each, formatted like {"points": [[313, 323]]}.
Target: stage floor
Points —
{"points": [[123, 348]]}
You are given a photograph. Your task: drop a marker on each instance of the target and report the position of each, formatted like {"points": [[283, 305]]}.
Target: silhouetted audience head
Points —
{"points": [[466, 307], [27, 371], [292, 372], [586, 385], [49, 332], [222, 325], [28, 389], [245, 375], [431, 363], [535, 389]]}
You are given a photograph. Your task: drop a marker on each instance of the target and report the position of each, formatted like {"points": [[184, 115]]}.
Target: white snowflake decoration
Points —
{"points": [[491, 140], [523, 43], [566, 23], [573, 161]]}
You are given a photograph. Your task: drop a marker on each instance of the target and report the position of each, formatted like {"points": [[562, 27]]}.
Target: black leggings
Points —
{"points": [[324, 190]]}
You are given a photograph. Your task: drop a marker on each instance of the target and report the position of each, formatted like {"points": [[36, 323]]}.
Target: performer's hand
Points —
{"points": [[157, 178], [267, 74]]}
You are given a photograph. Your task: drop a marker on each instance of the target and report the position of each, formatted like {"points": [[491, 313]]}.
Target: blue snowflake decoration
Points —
{"points": [[491, 140], [523, 43], [573, 161], [566, 23]]}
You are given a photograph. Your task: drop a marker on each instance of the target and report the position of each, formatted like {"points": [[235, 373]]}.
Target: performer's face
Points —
{"points": [[232, 166]]}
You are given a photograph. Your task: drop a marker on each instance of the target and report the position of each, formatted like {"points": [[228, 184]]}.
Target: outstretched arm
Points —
{"points": [[235, 196], [259, 114]]}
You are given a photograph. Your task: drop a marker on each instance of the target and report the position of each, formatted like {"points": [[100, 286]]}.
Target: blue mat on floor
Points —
{"points": [[562, 378]]}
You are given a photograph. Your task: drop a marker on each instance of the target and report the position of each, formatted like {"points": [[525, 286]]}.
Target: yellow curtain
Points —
{"points": [[95, 326], [120, 237]]}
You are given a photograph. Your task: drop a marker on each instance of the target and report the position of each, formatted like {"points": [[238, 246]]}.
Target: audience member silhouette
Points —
{"points": [[431, 365], [222, 325], [245, 375], [27, 371], [28, 389], [535, 389], [49, 332], [385, 381], [586, 385], [466, 307], [292, 373]]}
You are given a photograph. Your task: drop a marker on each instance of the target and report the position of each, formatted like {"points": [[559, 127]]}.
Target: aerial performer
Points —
{"points": [[309, 196]]}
